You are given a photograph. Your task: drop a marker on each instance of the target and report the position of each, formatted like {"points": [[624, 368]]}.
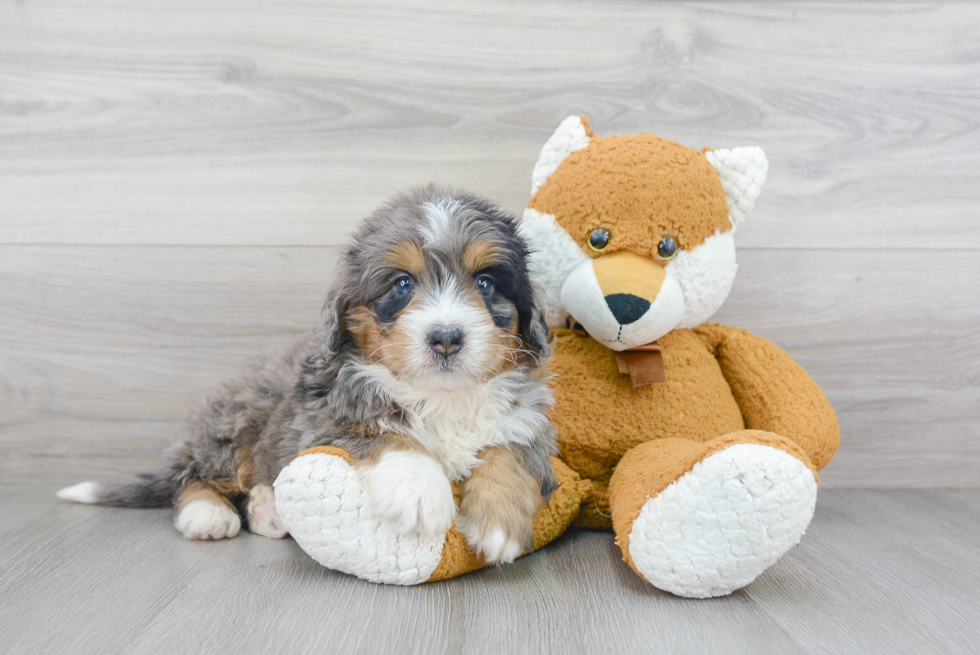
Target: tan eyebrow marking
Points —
{"points": [[480, 255], [406, 256]]}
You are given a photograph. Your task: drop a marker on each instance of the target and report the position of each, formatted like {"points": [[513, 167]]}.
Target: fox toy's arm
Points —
{"points": [[773, 391]]}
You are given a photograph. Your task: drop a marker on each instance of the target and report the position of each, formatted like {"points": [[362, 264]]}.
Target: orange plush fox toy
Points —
{"points": [[697, 444]]}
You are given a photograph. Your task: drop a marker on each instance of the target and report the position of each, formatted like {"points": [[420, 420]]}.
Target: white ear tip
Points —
{"points": [[742, 172], [570, 136]]}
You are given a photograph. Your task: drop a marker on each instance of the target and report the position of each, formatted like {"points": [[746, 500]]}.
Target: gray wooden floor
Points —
{"points": [[877, 572]]}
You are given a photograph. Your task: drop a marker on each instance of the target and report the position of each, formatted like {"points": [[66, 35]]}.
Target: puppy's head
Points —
{"points": [[435, 289]]}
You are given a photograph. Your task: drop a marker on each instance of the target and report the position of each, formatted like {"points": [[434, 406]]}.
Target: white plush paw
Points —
{"points": [[719, 526], [323, 504], [261, 511], [412, 493], [493, 544], [201, 519]]}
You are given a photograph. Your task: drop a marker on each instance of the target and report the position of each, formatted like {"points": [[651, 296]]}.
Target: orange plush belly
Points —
{"points": [[599, 415]]}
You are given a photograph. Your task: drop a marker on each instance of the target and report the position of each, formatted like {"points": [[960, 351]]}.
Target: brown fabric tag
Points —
{"points": [[644, 364], [646, 368], [652, 347]]}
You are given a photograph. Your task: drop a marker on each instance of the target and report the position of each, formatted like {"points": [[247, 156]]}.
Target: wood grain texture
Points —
{"points": [[877, 572], [208, 122], [106, 349], [175, 178]]}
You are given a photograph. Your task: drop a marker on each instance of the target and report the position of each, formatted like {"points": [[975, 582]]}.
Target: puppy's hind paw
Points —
{"points": [[202, 519], [261, 511]]}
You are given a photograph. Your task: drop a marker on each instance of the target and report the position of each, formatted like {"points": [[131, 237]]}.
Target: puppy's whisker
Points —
{"points": [[374, 352]]}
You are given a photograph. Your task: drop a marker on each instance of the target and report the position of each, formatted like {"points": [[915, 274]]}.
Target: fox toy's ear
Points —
{"points": [[573, 134], [742, 172]]}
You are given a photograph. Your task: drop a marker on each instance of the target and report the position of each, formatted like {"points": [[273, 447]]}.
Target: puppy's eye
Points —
{"points": [[404, 285], [666, 249], [599, 239], [485, 284]]}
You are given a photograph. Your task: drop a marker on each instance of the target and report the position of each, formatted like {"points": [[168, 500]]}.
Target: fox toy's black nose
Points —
{"points": [[446, 340], [626, 307]]}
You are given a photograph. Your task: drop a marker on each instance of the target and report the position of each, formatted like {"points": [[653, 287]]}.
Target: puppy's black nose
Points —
{"points": [[446, 340], [626, 307]]}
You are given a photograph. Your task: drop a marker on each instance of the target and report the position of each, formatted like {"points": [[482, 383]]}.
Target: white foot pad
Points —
{"points": [[324, 506], [202, 519], [719, 526]]}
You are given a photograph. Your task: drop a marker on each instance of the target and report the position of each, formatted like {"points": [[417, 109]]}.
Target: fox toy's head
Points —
{"points": [[633, 235]]}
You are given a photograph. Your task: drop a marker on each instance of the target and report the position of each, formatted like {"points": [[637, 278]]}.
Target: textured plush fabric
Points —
{"points": [[554, 256], [672, 190], [707, 478], [549, 524], [323, 504], [742, 172], [595, 513], [573, 134], [721, 524], [773, 391], [650, 467], [600, 416]]}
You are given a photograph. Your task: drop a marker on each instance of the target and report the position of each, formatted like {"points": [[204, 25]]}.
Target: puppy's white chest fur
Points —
{"points": [[454, 425]]}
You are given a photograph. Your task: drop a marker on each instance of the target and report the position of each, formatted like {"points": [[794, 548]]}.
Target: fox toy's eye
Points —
{"points": [[599, 239], [404, 285], [485, 285], [666, 249]]}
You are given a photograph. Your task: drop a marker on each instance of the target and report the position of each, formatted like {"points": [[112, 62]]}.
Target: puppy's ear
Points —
{"points": [[319, 368], [533, 331], [334, 327]]}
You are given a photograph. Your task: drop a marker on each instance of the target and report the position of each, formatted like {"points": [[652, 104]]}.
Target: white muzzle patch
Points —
{"points": [[448, 307], [585, 301]]}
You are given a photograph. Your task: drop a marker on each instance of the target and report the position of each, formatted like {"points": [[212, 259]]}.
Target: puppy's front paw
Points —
{"points": [[497, 544], [410, 491], [500, 499]]}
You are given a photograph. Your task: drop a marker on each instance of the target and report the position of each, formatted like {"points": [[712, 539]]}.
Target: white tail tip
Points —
{"points": [[83, 492]]}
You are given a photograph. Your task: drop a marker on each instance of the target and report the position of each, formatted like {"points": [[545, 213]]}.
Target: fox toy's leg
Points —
{"points": [[704, 519], [773, 392]]}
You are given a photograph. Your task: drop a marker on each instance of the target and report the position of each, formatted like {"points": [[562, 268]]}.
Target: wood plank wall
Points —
{"points": [[176, 177]]}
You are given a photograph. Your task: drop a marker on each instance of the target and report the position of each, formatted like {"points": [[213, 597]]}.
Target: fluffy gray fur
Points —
{"points": [[313, 393]]}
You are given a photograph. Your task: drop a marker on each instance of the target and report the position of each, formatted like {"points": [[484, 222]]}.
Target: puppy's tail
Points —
{"points": [[145, 490]]}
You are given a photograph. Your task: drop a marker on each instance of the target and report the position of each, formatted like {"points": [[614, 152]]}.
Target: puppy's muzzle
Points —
{"points": [[444, 341]]}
